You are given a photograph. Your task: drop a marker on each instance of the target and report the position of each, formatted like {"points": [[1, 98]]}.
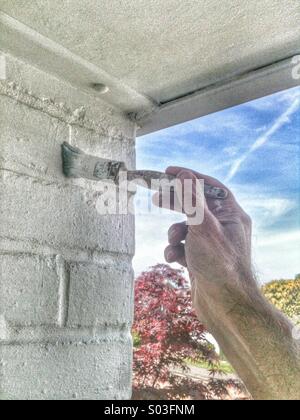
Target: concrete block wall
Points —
{"points": [[66, 280]]}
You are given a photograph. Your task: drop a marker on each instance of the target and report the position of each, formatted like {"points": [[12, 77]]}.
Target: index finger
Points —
{"points": [[175, 170]]}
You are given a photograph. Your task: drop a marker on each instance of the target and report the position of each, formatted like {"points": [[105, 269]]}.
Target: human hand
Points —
{"points": [[217, 252]]}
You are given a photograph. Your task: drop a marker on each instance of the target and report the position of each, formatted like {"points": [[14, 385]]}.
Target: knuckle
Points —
{"points": [[172, 232]]}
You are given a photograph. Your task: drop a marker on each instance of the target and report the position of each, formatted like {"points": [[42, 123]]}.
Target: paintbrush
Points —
{"points": [[77, 164]]}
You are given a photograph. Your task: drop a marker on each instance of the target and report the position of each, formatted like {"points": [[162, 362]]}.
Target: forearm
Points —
{"points": [[256, 339]]}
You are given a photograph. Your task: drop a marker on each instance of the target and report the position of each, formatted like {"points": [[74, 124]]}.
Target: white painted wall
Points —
{"points": [[66, 281]]}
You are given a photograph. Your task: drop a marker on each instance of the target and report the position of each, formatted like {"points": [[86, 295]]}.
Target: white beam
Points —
{"points": [[225, 94]]}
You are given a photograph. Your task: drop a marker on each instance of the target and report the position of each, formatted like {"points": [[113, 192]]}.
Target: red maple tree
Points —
{"points": [[167, 333], [166, 327]]}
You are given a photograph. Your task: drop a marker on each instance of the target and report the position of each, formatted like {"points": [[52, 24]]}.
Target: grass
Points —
{"points": [[224, 366]]}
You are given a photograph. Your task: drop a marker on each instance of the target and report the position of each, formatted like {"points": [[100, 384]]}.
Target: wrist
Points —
{"points": [[225, 293]]}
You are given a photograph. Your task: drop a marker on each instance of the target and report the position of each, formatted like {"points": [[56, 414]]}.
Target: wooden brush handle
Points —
{"points": [[148, 176]]}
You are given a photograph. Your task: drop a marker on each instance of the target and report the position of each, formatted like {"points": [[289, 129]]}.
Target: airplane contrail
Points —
{"points": [[278, 123]]}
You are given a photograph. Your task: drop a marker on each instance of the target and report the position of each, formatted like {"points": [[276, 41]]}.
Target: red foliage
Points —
{"points": [[167, 327]]}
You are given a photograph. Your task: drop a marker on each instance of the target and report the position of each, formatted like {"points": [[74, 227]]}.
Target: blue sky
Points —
{"points": [[255, 149]]}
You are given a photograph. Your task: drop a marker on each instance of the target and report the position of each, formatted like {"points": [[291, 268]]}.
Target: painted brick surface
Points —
{"points": [[59, 215], [66, 280], [66, 371], [29, 290], [23, 148], [95, 290]]}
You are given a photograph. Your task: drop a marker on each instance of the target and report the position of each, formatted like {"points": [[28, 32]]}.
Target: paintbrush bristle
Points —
{"points": [[77, 164], [71, 160]]}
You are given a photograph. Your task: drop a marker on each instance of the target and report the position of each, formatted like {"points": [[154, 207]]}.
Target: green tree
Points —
{"points": [[285, 295]]}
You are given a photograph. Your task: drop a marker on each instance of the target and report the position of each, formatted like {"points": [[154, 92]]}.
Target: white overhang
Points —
{"points": [[164, 61]]}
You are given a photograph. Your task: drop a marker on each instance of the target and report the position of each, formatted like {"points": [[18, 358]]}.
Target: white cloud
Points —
{"points": [[277, 256], [152, 238], [282, 238], [231, 150], [266, 210]]}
